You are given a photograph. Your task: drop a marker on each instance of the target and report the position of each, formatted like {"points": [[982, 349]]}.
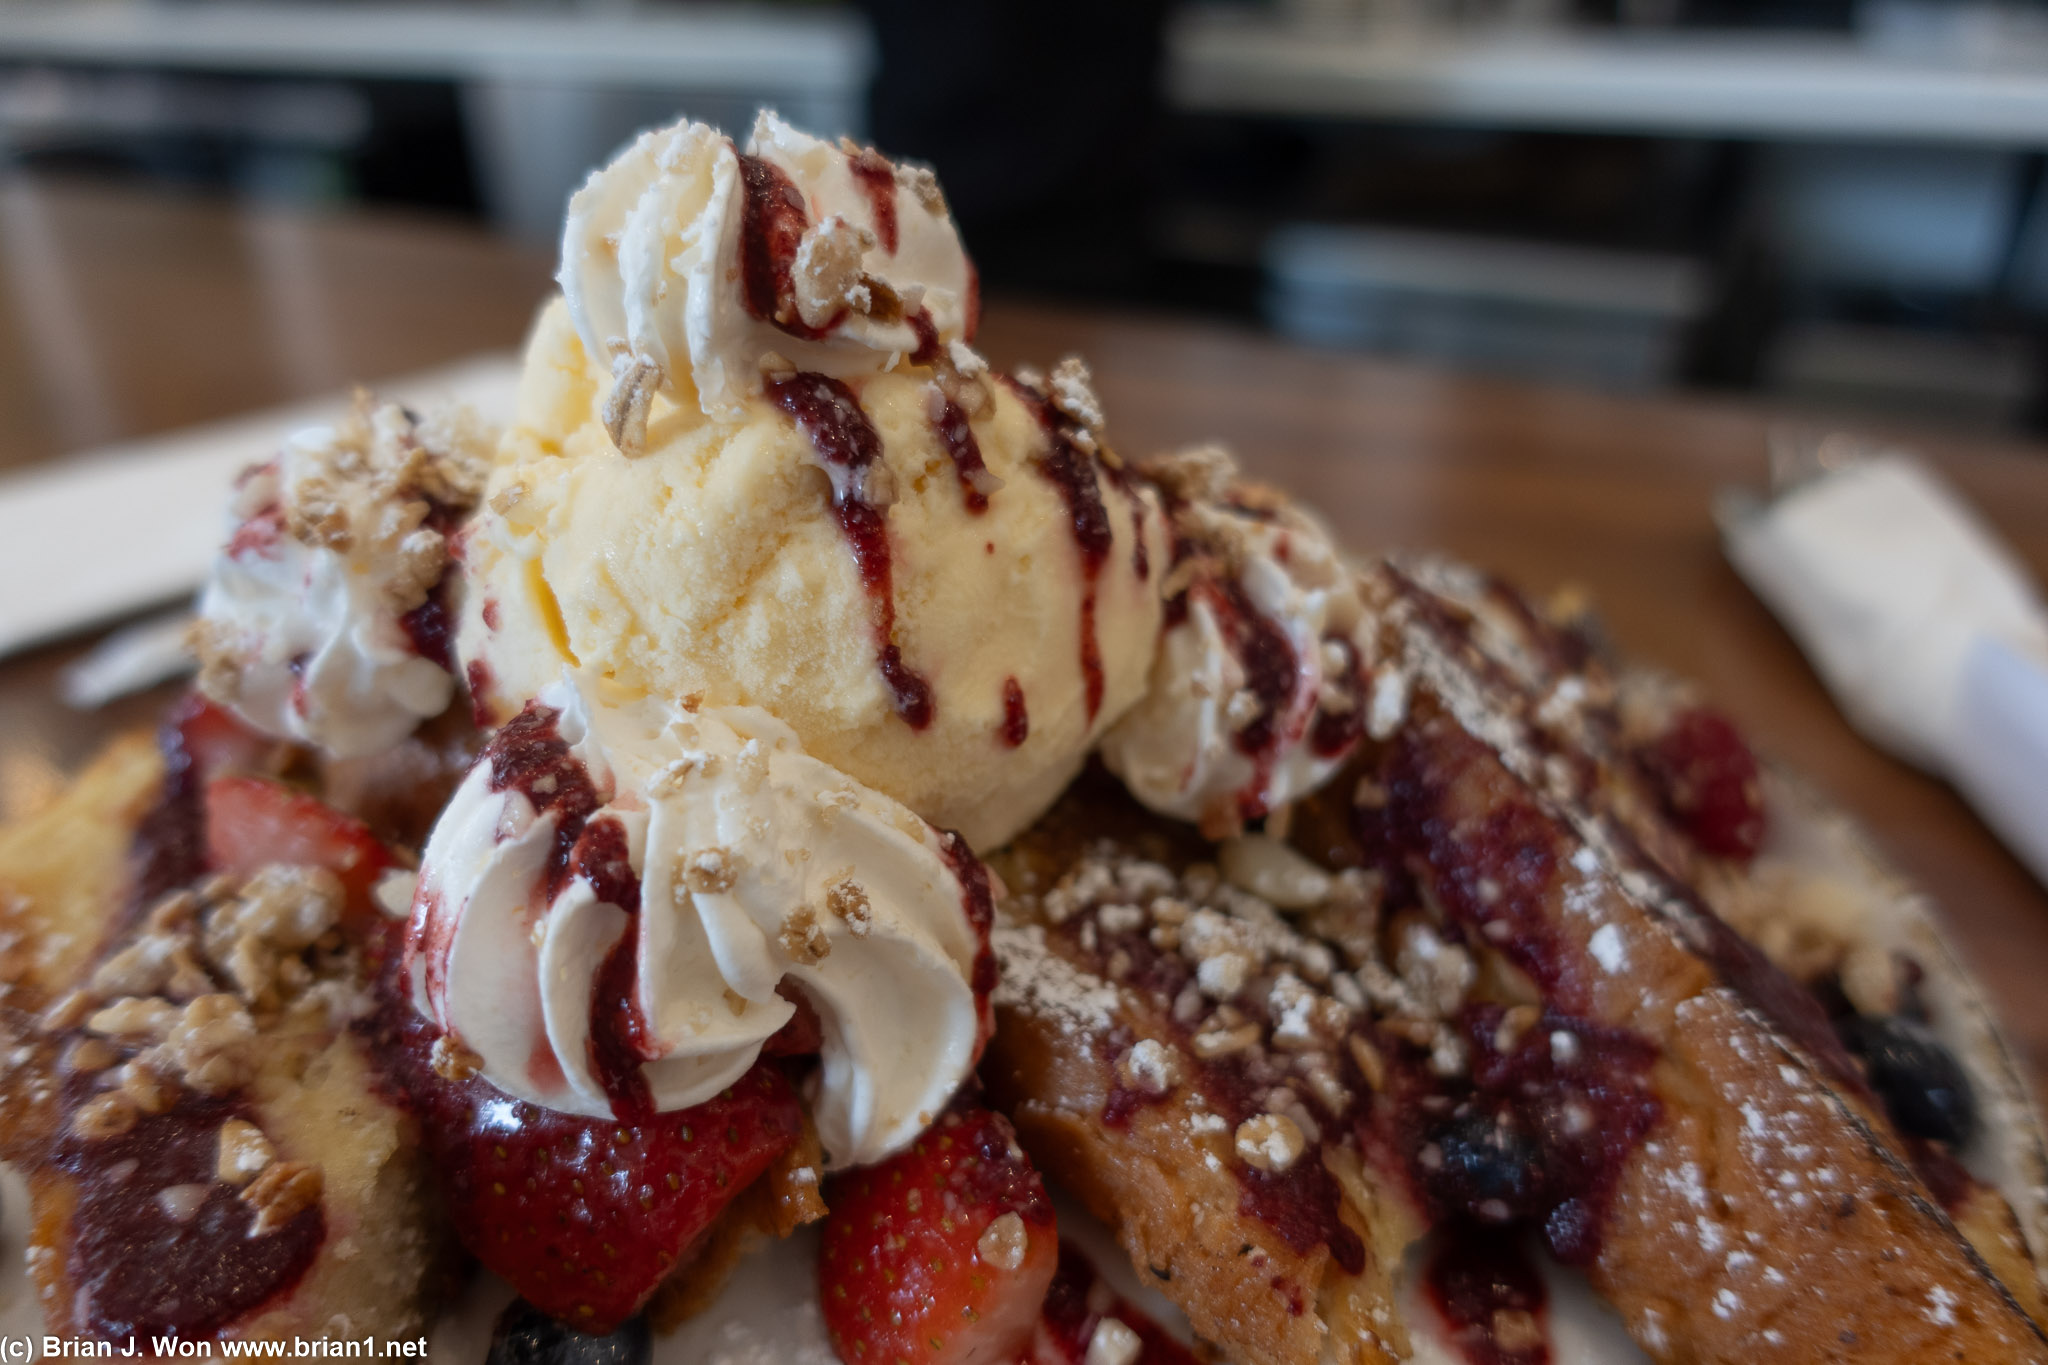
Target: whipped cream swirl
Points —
{"points": [[324, 618], [686, 263], [617, 902], [1257, 691]]}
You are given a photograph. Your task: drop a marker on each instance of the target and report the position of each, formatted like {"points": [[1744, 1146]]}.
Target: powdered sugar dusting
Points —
{"points": [[1043, 983]]}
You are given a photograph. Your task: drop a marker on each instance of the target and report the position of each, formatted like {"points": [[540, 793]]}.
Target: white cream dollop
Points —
{"points": [[755, 864], [657, 245], [302, 621], [1256, 689]]}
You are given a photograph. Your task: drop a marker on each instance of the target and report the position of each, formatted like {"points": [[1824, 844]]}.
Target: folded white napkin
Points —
{"points": [[1930, 635]]}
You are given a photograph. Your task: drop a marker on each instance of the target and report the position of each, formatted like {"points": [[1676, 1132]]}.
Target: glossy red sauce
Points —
{"points": [[137, 1271], [1016, 719], [478, 677], [977, 902], [169, 848], [873, 173], [1490, 1296], [956, 434], [773, 220], [1338, 729], [528, 755], [830, 416], [927, 332], [430, 628], [1073, 474], [618, 1028]]}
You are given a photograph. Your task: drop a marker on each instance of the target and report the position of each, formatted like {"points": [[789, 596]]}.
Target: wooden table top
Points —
{"points": [[127, 314]]}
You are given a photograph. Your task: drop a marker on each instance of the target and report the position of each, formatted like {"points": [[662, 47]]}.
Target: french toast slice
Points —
{"points": [[1545, 1028], [206, 1152]]}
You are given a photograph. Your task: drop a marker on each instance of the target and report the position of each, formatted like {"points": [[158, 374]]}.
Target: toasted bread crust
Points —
{"points": [[1173, 1199]]}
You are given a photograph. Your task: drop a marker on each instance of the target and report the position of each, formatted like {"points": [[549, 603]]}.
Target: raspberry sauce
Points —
{"points": [[618, 1027], [137, 1270], [1490, 1295], [830, 416], [877, 178], [977, 900], [1072, 473], [772, 225], [957, 436], [1016, 719]]}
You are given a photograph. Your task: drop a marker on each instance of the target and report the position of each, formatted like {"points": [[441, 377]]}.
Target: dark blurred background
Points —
{"points": [[1834, 204]]}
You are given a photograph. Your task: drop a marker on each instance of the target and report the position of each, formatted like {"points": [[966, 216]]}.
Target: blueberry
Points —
{"points": [[1923, 1087], [1488, 1169], [523, 1335]]}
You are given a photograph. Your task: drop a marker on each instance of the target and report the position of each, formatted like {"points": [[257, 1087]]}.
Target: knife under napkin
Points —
{"points": [[1929, 633], [94, 537]]}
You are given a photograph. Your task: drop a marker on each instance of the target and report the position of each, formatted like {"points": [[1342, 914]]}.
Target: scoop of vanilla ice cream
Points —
{"points": [[1256, 696], [734, 562], [325, 618], [690, 861]]}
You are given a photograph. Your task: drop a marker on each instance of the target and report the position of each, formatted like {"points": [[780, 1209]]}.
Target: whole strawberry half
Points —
{"points": [[255, 821], [940, 1255], [584, 1217], [1708, 779]]}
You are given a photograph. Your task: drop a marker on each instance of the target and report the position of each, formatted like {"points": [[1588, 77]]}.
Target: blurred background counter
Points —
{"points": [[1831, 204]]}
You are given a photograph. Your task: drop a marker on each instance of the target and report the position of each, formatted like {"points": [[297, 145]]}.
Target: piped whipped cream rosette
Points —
{"points": [[326, 616], [624, 901], [1257, 690], [686, 260]]}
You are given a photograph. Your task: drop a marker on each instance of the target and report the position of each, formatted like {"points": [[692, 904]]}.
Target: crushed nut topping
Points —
{"points": [[710, 871], [846, 898], [1003, 1243], [1270, 1142], [1150, 1068], [453, 1059], [803, 937], [244, 1152], [104, 1116], [281, 1193]]}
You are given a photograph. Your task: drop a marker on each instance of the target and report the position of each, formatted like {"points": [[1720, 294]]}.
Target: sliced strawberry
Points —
{"points": [[586, 1217], [212, 740], [941, 1254], [253, 821], [1080, 1306], [1708, 779]]}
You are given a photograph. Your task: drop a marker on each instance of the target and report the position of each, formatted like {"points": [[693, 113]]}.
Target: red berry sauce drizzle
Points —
{"points": [[877, 177], [1073, 473], [1016, 719], [1490, 1295], [430, 627], [136, 1270], [830, 416], [772, 225], [978, 902], [1077, 1301], [957, 436]]}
